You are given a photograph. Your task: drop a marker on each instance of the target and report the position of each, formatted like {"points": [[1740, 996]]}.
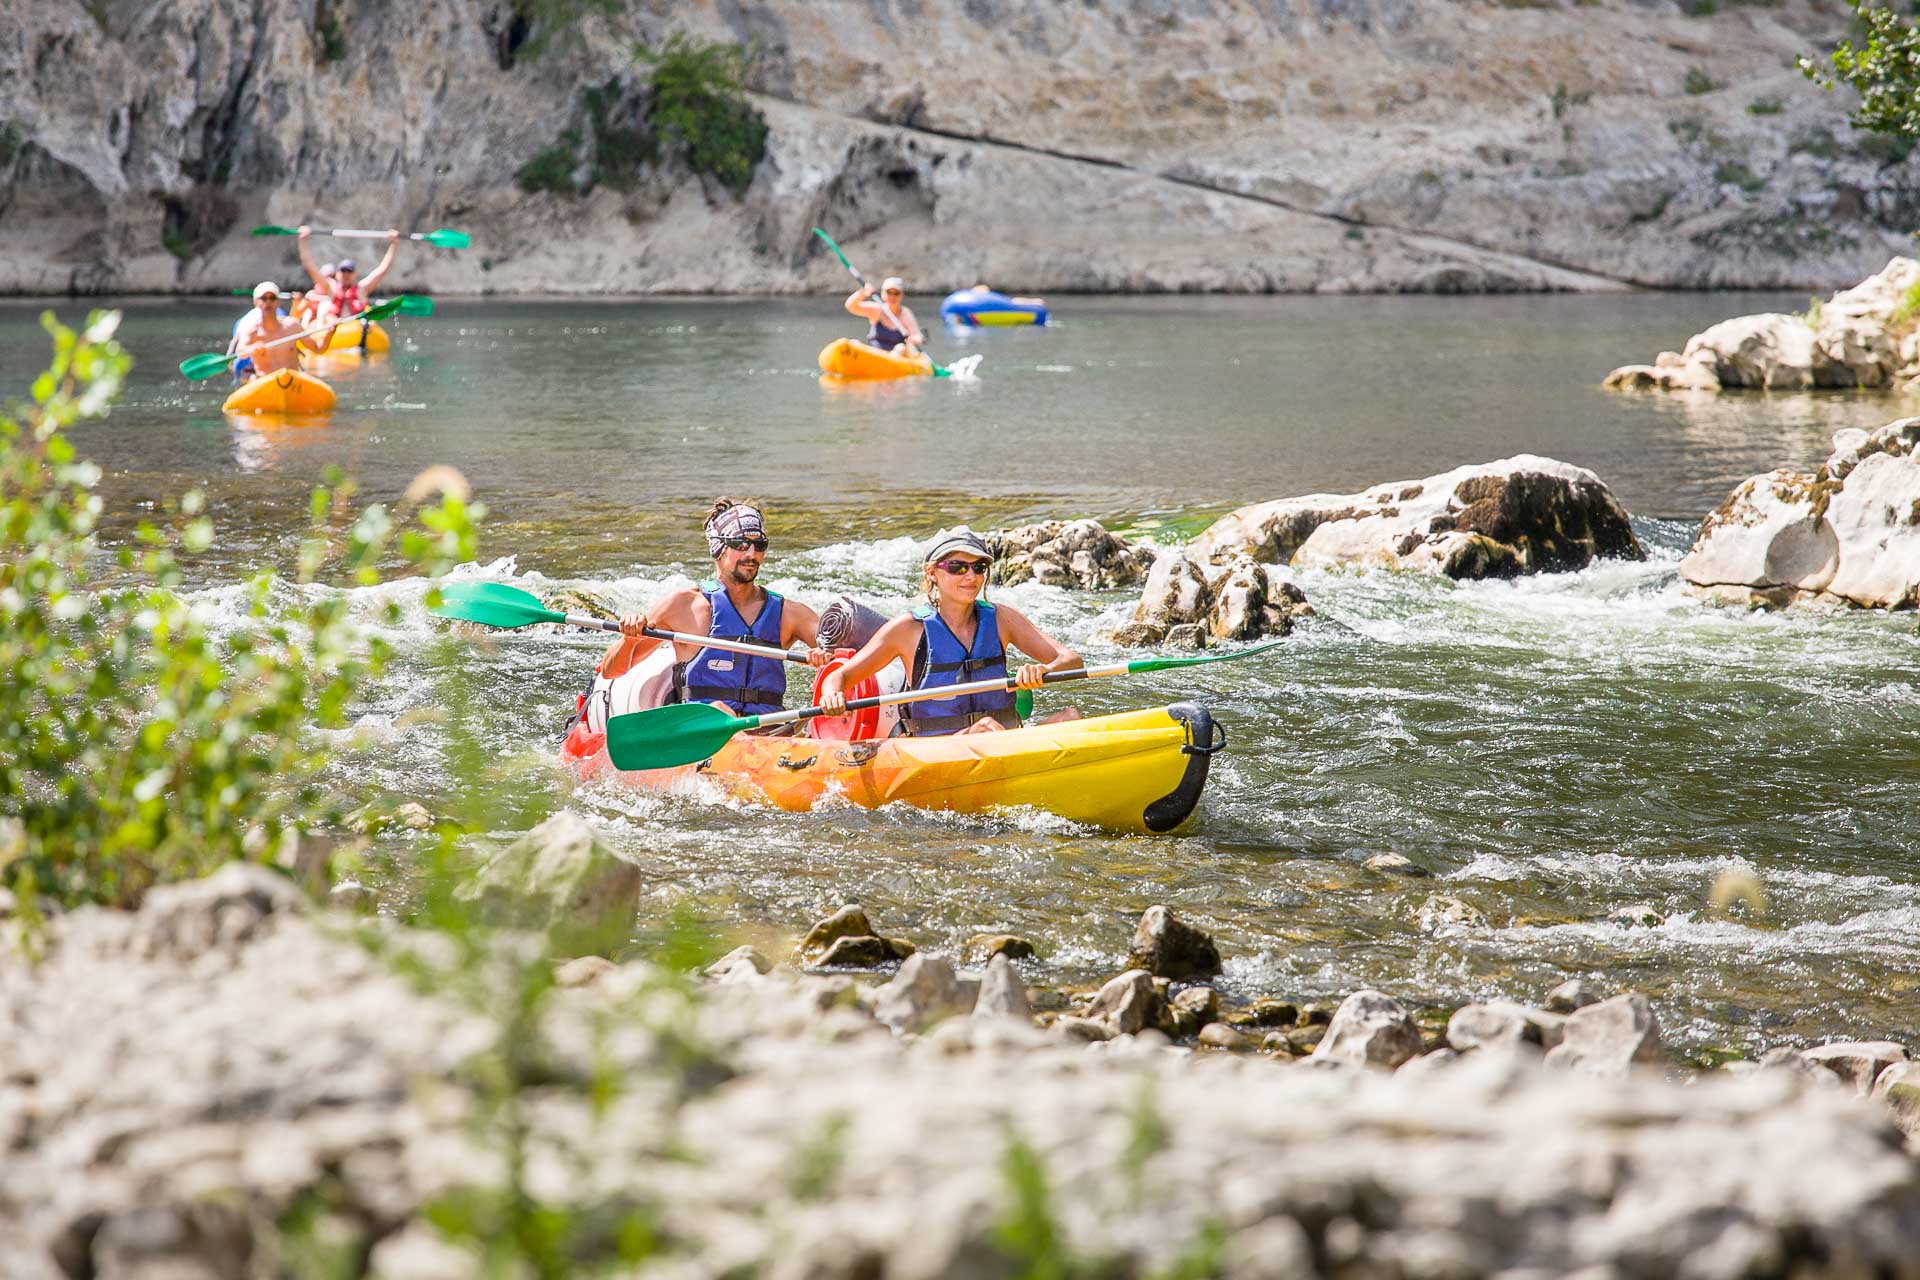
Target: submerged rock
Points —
{"points": [[846, 940], [983, 947], [1185, 604], [1848, 533], [1519, 515], [1857, 338], [1574, 993], [1078, 553]]}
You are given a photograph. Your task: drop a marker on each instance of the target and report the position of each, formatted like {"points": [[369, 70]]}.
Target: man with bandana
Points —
{"points": [[733, 606]]}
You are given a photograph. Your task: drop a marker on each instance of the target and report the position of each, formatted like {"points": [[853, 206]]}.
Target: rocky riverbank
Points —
{"points": [[1417, 146], [226, 1080]]}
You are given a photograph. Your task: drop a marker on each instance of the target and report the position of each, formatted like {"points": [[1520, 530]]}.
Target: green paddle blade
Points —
{"points": [[202, 367], [446, 238], [276, 231], [413, 304], [492, 604], [1167, 664], [682, 733]]}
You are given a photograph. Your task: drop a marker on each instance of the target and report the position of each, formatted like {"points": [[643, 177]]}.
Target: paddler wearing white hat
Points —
{"points": [[881, 330], [267, 323], [956, 637]]}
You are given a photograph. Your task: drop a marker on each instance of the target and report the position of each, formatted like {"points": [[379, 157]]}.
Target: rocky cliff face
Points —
{"points": [[1239, 145]]}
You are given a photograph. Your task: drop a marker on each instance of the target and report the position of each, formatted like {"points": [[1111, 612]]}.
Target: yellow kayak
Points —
{"points": [[288, 391], [346, 337], [859, 362], [1139, 771]]}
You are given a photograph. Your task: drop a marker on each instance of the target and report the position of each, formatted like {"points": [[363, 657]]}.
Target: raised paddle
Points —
{"points": [[210, 363], [962, 368], [495, 604], [441, 239], [686, 732]]}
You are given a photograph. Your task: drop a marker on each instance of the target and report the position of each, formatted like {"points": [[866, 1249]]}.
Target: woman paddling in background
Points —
{"points": [[956, 638], [880, 330]]}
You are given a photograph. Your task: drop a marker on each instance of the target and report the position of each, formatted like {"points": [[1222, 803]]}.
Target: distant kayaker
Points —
{"points": [[956, 638], [348, 290], [732, 607], [880, 327], [267, 323], [316, 304]]}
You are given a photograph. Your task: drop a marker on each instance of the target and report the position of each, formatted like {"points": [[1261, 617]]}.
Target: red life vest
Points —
{"points": [[350, 300]]}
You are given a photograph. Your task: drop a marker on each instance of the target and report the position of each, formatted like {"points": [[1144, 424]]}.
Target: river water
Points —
{"points": [[1551, 751]]}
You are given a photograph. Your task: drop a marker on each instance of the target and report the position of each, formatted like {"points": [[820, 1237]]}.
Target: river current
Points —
{"points": [[1551, 751]]}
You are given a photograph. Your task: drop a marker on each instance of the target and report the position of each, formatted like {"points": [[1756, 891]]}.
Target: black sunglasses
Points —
{"points": [[959, 567], [741, 544]]}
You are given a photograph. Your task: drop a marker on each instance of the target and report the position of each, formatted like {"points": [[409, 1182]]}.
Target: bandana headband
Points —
{"points": [[734, 522]]}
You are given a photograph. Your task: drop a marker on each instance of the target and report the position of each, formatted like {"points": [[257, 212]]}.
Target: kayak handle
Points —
{"points": [[1216, 741]]}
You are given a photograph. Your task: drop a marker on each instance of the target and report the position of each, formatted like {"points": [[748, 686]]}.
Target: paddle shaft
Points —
{"points": [[944, 691], [331, 324], [686, 637], [345, 233]]}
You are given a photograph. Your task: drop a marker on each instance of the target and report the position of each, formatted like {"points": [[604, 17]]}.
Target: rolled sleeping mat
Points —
{"points": [[848, 624]]}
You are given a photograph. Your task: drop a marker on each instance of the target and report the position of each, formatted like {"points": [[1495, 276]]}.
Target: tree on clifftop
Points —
{"points": [[1884, 69]]}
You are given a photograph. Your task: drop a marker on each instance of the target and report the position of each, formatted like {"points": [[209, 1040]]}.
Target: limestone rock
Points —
{"points": [[1609, 1038], [982, 947], [1002, 995], [1268, 1011], [1519, 515], [1370, 1029], [925, 991], [1637, 915], [413, 815], [1427, 1064], [1852, 340], [1185, 604], [1128, 1003], [1849, 532], [1168, 947], [1220, 1035], [351, 895], [1078, 553], [1857, 1062], [1501, 1024], [1397, 865], [224, 910], [1442, 909], [1574, 993], [742, 964], [1191, 1010], [559, 877], [846, 940], [582, 971], [1083, 1030], [1898, 1085]]}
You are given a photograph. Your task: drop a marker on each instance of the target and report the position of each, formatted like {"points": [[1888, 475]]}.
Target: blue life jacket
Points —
{"points": [[745, 686], [883, 335], [943, 660]]}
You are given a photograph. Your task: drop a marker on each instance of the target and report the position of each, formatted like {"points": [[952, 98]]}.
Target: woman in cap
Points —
{"points": [[956, 638], [881, 332]]}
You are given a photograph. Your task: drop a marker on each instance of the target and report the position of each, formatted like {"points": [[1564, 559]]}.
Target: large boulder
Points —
{"points": [[1241, 601], [1847, 533], [561, 878], [1079, 553], [1860, 337], [1519, 515]]}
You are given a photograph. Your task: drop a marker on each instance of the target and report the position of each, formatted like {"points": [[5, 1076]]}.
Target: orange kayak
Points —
{"points": [[856, 361], [1139, 771], [289, 391]]}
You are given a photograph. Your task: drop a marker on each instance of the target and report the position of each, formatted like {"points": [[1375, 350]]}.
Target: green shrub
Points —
{"points": [[552, 169], [546, 20], [1886, 148], [1734, 173], [619, 151], [13, 140], [177, 243], [1907, 315], [1883, 68], [1699, 82], [333, 40], [699, 104], [140, 743], [1765, 107], [1686, 132]]}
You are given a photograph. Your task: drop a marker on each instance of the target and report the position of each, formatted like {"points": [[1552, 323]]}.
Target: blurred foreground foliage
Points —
{"points": [[146, 736], [1883, 67]]}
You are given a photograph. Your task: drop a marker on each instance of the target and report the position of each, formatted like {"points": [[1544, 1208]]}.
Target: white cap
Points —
{"points": [[958, 538], [893, 282], [264, 288]]}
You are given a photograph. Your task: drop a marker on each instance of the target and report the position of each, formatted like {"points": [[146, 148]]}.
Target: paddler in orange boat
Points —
{"points": [[880, 331], [956, 638], [316, 304], [350, 293], [268, 324], [639, 672]]}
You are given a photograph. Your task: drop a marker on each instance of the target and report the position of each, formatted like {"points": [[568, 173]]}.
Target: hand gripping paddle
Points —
{"points": [[495, 604]]}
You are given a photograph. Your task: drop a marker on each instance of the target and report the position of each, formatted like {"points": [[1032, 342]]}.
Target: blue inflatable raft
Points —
{"points": [[985, 308]]}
